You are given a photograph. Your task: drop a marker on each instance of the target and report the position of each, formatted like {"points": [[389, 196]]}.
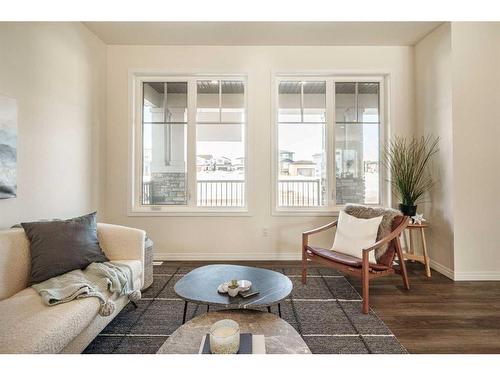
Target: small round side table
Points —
{"points": [[410, 253]]}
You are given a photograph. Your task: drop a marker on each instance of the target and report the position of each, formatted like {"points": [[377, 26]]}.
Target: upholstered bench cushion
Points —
{"points": [[348, 260]]}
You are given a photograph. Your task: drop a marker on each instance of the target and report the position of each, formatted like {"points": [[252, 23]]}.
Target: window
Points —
{"points": [[301, 143], [192, 143], [220, 143], [164, 126], [357, 142], [328, 142]]}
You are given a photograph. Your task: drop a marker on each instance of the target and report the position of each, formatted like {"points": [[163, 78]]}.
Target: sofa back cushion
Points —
{"points": [[14, 262], [60, 246]]}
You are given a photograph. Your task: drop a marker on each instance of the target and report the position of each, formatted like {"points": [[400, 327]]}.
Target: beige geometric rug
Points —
{"points": [[326, 312]]}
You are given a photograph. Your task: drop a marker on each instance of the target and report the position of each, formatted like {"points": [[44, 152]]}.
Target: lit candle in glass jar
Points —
{"points": [[225, 337]]}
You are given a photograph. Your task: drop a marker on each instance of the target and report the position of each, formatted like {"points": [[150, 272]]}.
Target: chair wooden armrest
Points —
{"points": [[395, 233], [320, 229], [305, 235]]}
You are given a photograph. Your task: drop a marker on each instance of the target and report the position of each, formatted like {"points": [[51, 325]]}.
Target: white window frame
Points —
{"points": [[135, 206], [330, 209]]}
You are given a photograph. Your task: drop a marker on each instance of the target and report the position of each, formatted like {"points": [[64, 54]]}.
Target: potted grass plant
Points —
{"points": [[408, 160], [233, 288]]}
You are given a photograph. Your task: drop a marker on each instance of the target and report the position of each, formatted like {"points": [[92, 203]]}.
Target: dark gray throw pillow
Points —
{"points": [[61, 246]]}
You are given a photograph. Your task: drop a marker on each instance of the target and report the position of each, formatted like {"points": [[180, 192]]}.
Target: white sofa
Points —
{"points": [[28, 326]]}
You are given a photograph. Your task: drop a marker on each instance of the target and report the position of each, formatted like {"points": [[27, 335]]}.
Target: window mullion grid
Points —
{"points": [[384, 193], [220, 101], [330, 143], [167, 127], [302, 102], [138, 165], [191, 144], [356, 102], [190, 149]]}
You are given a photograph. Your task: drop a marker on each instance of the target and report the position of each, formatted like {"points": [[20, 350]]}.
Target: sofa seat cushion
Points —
{"points": [[29, 326], [346, 259]]}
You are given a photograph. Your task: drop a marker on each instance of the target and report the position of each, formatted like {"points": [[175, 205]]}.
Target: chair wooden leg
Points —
{"points": [[366, 283], [402, 264], [304, 260]]}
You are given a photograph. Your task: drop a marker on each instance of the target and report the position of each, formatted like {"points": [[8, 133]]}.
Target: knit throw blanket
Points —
{"points": [[93, 281]]}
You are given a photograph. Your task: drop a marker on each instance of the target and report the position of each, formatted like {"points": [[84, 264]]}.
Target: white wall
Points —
{"points": [[476, 151], [446, 85], [56, 71], [238, 237], [433, 95], [457, 79]]}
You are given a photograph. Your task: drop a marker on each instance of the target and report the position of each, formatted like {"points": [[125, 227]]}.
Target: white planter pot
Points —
{"points": [[233, 292]]}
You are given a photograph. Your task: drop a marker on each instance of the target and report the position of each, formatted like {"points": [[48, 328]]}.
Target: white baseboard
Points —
{"points": [[448, 272], [477, 276], [465, 275], [226, 256], [252, 256]]}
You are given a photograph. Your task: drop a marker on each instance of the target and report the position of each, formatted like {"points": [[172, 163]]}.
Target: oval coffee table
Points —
{"points": [[200, 286], [280, 337]]}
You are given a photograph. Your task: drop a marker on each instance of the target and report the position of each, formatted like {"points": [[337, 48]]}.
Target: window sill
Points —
{"points": [[295, 212], [219, 212], [328, 212]]}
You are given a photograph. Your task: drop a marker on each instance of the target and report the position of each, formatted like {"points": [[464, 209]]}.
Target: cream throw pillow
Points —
{"points": [[354, 234]]}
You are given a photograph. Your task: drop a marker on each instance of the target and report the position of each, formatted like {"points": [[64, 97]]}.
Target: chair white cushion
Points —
{"points": [[354, 234]]}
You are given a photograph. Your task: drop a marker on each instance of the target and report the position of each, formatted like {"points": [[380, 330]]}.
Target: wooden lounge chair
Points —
{"points": [[360, 267]]}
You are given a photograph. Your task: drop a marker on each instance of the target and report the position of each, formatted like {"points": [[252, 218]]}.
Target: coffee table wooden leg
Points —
{"points": [[208, 308], [426, 256], [185, 311], [279, 310], [268, 309]]}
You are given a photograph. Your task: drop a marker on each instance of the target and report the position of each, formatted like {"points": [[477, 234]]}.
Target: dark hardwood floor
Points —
{"points": [[436, 315]]}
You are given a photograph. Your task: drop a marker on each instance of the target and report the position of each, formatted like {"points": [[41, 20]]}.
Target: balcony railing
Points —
{"points": [[210, 193], [222, 193], [146, 193], [231, 193], [299, 193]]}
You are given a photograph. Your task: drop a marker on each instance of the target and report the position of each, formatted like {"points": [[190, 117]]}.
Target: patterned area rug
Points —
{"points": [[326, 312]]}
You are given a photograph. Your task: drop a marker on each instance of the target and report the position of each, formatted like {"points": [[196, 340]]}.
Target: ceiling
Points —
{"points": [[262, 33]]}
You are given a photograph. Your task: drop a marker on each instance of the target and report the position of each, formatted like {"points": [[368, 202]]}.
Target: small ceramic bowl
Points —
{"points": [[222, 288], [244, 285]]}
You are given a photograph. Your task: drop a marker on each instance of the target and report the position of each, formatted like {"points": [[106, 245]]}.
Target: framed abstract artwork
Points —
{"points": [[8, 147]]}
